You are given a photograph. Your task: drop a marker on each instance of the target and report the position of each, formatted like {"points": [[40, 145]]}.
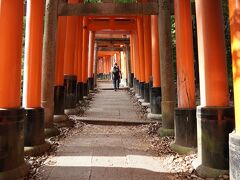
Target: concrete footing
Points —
{"points": [[214, 125], [72, 111], [137, 96], [50, 132], [165, 132], [182, 149], [145, 104], [154, 116], [62, 121], [234, 155], [206, 171], [37, 149]]}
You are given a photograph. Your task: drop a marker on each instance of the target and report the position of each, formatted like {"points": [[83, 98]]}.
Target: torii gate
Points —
{"points": [[214, 116]]}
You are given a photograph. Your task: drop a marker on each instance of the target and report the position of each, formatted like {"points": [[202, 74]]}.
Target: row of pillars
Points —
{"points": [[207, 126], [106, 62], [209, 132], [104, 68], [52, 87]]}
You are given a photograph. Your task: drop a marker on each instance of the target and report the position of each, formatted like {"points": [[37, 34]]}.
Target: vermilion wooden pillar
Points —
{"points": [[12, 116], [141, 55], [34, 124], [90, 64], [95, 64], [70, 78], [129, 65], [105, 67], [155, 96], [132, 60], [137, 62], [185, 115], [85, 56], [147, 56], [79, 44], [234, 137], [60, 118], [214, 116], [59, 74]]}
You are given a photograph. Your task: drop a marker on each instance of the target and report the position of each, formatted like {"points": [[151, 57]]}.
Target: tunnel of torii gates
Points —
{"points": [[78, 41]]}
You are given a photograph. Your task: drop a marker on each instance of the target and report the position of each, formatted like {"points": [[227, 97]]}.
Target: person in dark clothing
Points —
{"points": [[117, 75]]}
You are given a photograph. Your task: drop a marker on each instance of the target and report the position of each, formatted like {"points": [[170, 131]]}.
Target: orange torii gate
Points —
{"points": [[214, 116]]}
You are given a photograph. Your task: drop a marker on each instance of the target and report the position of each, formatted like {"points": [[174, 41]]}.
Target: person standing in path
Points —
{"points": [[117, 75]]}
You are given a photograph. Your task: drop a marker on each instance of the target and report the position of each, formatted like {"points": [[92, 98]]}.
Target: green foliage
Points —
{"points": [[23, 47], [228, 42], [173, 33]]}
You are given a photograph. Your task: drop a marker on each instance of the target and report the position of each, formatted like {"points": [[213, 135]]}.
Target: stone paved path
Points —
{"points": [[102, 152]]}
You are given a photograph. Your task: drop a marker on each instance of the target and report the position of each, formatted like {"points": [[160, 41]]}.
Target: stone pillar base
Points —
{"points": [[154, 116], [137, 96], [16, 173], [62, 121], [146, 92], [90, 83], [185, 130], [145, 104], [134, 83], [72, 111], [131, 80], [150, 88], [37, 150], [79, 91], [12, 143], [214, 125], [155, 100], [85, 89], [167, 118], [148, 110], [141, 89], [70, 86], [34, 130], [234, 156], [182, 149], [138, 87], [131, 90], [50, 132], [205, 171], [141, 100], [58, 99], [165, 132]]}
